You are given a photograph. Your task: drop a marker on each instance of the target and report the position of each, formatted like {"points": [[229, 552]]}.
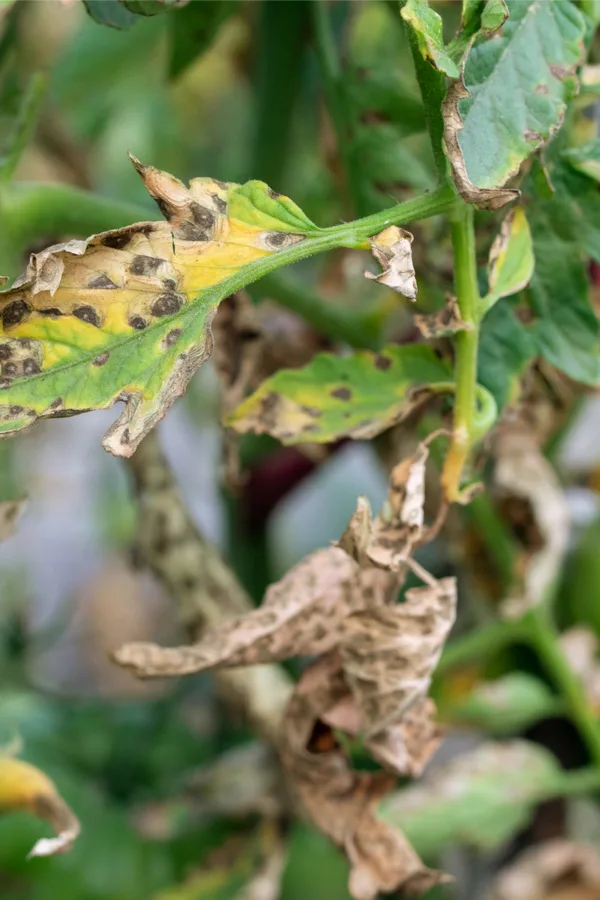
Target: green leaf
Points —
{"points": [[111, 13], [506, 346], [585, 158], [478, 16], [427, 26], [336, 396], [513, 98], [467, 800], [193, 30], [511, 259], [126, 314], [508, 705], [16, 137]]}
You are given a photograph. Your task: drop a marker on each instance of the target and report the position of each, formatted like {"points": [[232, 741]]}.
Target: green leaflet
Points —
{"points": [[506, 346], [514, 96], [337, 396], [433, 814], [427, 26], [511, 260]]}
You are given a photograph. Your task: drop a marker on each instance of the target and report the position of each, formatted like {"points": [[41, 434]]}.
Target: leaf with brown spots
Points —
{"points": [[23, 788], [391, 248], [356, 396], [125, 315]]}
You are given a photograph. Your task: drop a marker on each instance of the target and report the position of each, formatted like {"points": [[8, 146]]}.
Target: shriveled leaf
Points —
{"points": [[427, 26], [585, 158], [528, 69], [580, 646], [466, 801], [511, 259], [391, 248], [529, 490], [126, 314], [340, 801], [443, 323], [555, 870], [10, 511], [25, 788], [506, 706], [358, 396]]}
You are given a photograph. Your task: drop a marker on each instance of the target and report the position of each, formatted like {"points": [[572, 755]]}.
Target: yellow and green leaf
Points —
{"points": [[511, 260], [356, 396], [126, 314]]}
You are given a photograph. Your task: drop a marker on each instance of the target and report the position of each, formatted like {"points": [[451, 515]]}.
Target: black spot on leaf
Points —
{"points": [[342, 393], [5, 352], [117, 241], [87, 314], [220, 204], [9, 369], [102, 359], [58, 402], [166, 305], [52, 312], [145, 265], [31, 367], [190, 232], [16, 410], [382, 362], [173, 336], [138, 322], [102, 282], [15, 312], [202, 215]]}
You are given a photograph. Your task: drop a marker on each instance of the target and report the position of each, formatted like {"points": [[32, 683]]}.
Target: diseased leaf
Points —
{"points": [[511, 260], [335, 396], [427, 26], [391, 248], [506, 706], [585, 158], [467, 802], [554, 870], [528, 487], [478, 17], [10, 511], [527, 69], [126, 314], [443, 323], [25, 788]]}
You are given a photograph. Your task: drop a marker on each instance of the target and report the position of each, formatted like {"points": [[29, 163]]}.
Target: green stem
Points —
{"points": [[545, 639], [467, 291], [580, 781]]}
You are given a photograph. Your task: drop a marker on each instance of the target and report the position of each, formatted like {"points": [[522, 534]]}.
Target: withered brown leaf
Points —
{"points": [[391, 248]]}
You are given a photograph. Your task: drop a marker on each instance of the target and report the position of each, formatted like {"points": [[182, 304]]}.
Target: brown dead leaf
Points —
{"points": [[533, 501], [556, 870], [339, 800], [484, 198], [10, 511], [23, 787], [391, 248], [443, 323], [580, 646]]}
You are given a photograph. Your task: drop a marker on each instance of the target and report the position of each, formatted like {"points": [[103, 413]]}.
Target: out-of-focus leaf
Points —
{"points": [[506, 706], [585, 158], [10, 510], [16, 137], [193, 29], [528, 68], [23, 787], [467, 801], [511, 259], [427, 27], [111, 13], [333, 396], [580, 647], [126, 314], [555, 870]]}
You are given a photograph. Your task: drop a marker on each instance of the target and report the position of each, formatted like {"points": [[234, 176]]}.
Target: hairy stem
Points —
{"points": [[465, 281]]}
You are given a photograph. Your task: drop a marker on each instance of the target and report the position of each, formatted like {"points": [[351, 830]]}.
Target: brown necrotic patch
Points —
{"points": [[342, 393], [169, 283], [173, 336], [102, 359], [58, 402], [202, 215], [145, 265], [31, 367], [5, 352], [15, 312], [52, 312], [220, 204], [117, 240], [138, 322], [87, 314], [187, 231], [10, 370], [102, 282], [167, 304], [382, 362], [279, 240]]}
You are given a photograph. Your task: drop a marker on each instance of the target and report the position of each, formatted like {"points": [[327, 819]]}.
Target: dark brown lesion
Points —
{"points": [[10, 370], [15, 312], [138, 322], [202, 215], [5, 352], [167, 304], [87, 314], [118, 240], [145, 265], [188, 231], [342, 393], [382, 363], [102, 359], [31, 367], [52, 312], [173, 336], [102, 282]]}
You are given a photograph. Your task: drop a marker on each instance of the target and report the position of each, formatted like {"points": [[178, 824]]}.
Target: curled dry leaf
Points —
{"points": [[126, 314], [580, 646], [555, 870], [533, 501], [391, 248], [10, 511], [446, 321], [23, 787], [341, 801]]}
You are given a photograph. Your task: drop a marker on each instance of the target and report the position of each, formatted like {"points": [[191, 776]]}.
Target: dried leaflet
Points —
{"points": [[391, 248], [126, 314], [10, 511], [580, 647], [533, 501], [339, 800], [556, 870], [443, 323], [25, 788]]}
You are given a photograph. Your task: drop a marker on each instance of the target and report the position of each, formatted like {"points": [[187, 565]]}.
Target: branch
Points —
{"points": [[206, 591]]}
